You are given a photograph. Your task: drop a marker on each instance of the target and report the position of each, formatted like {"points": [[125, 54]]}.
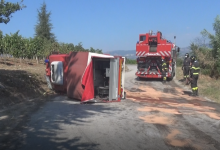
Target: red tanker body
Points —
{"points": [[87, 76], [150, 49]]}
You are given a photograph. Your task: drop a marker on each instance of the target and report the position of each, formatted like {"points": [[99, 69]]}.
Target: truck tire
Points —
{"points": [[139, 78], [170, 78], [172, 75]]}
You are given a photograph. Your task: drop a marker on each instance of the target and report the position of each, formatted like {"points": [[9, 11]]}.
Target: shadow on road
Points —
{"points": [[148, 79], [187, 93], [54, 127], [152, 79], [182, 80]]}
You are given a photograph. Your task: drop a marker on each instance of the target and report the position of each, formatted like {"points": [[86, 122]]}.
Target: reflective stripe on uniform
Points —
{"points": [[195, 88], [196, 68]]}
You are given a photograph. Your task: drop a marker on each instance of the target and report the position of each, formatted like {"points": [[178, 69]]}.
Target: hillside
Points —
{"points": [[130, 54], [183, 51]]}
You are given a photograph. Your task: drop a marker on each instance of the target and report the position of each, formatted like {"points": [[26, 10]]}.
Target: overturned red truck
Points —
{"points": [[86, 76], [150, 49]]}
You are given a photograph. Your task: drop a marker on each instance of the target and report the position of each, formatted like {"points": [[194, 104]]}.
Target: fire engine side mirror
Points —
{"points": [[178, 49]]}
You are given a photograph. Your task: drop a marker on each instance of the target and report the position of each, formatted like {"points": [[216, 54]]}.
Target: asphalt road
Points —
{"points": [[153, 117]]}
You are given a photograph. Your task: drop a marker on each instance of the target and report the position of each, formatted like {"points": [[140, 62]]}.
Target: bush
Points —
{"points": [[130, 61], [206, 71], [179, 62]]}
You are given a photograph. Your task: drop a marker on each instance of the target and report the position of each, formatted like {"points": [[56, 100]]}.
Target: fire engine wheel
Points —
{"points": [[170, 78], [139, 78]]}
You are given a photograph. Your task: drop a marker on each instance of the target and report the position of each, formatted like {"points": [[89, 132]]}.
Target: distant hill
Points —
{"points": [[183, 51], [130, 54]]}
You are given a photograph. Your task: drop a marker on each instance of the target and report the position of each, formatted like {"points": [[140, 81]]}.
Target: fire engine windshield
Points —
{"points": [[142, 37]]}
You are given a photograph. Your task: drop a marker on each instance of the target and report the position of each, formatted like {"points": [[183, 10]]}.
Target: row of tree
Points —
{"points": [[130, 61], [20, 47], [207, 50], [43, 42]]}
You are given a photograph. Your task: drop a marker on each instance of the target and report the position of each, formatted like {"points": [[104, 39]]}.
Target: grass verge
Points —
{"points": [[208, 87]]}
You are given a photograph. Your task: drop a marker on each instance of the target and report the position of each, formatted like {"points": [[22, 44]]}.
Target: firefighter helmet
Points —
{"points": [[193, 58], [162, 59], [187, 55]]}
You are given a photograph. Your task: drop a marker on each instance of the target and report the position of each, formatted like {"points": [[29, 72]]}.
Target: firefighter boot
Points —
{"points": [[164, 80], [187, 81], [193, 93], [197, 92]]}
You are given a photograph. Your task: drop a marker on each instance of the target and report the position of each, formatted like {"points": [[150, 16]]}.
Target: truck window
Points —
{"points": [[143, 38]]}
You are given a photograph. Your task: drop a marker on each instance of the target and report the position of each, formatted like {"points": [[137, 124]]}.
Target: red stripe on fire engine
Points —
{"points": [[142, 54], [166, 53], [139, 53], [162, 53]]}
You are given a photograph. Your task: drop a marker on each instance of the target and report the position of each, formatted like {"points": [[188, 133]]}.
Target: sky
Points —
{"points": [[116, 24]]}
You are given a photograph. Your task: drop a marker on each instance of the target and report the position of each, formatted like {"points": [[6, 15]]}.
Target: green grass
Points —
{"points": [[208, 87]]}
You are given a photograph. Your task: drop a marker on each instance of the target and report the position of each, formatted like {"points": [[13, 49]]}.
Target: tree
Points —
{"points": [[44, 27], [215, 43], [7, 8], [214, 39], [1, 42], [79, 47]]}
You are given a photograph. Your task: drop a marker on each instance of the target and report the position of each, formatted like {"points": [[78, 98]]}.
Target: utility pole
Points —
{"points": [[175, 40]]}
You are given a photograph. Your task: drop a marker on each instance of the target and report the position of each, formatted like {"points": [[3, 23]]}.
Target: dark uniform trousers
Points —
{"points": [[186, 71], [186, 67], [194, 72]]}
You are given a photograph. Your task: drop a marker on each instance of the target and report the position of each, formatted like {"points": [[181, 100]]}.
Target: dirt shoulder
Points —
{"points": [[21, 82], [23, 90]]}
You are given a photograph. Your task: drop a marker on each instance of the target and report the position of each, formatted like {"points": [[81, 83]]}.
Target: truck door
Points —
{"points": [[113, 81]]}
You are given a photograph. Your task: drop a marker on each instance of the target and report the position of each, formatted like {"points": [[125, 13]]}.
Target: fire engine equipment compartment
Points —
{"points": [[108, 80], [101, 69]]}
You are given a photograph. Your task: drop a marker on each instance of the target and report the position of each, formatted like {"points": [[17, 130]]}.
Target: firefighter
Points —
{"points": [[194, 75], [186, 68], [164, 70]]}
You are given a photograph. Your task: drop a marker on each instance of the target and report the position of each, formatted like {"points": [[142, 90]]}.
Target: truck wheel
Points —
{"points": [[139, 78], [171, 78]]}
